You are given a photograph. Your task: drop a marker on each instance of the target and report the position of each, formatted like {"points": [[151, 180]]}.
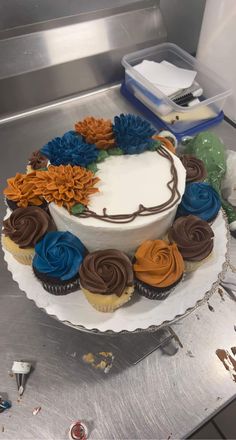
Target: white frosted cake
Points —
{"points": [[126, 182], [104, 209]]}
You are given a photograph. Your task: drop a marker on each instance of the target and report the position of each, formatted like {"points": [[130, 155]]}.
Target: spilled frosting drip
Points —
{"points": [[37, 160], [193, 236], [59, 255], [106, 272], [158, 263], [200, 199], [195, 168], [26, 226]]}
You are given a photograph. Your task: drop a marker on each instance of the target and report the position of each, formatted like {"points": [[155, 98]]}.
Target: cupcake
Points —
{"points": [[23, 229], [194, 238], [200, 199], [106, 278], [13, 205], [56, 263], [158, 268], [37, 162], [21, 192], [195, 168]]}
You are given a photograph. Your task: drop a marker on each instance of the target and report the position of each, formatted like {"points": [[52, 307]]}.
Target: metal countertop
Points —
{"points": [[162, 396]]}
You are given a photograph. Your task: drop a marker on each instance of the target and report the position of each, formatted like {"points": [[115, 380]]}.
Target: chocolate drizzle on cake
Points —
{"points": [[143, 210]]}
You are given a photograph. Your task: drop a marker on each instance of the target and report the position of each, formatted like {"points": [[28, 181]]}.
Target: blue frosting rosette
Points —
{"points": [[133, 134], [70, 149], [59, 255], [200, 199]]}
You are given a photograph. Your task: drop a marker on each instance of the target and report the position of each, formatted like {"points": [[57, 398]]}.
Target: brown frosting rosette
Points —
{"points": [[195, 168], [97, 131], [37, 160], [66, 185], [158, 263], [193, 236], [21, 189], [106, 272], [26, 226]]}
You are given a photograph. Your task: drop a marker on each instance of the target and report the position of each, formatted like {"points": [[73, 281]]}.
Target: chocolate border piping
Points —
{"points": [[143, 210]]}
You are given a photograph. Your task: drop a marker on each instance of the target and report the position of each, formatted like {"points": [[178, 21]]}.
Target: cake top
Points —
{"points": [[103, 157]]}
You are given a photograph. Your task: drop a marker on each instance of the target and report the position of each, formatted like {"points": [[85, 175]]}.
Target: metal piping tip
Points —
{"points": [[21, 390], [21, 370]]}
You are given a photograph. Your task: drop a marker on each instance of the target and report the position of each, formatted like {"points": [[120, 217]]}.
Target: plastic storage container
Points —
{"points": [[177, 118]]}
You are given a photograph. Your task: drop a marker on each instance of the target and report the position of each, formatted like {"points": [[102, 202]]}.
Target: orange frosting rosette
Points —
{"points": [[66, 185], [158, 263], [21, 189], [166, 142], [97, 131]]}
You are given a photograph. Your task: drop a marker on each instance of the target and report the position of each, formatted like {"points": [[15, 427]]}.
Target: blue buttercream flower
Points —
{"points": [[59, 255], [70, 149], [133, 134], [200, 199]]}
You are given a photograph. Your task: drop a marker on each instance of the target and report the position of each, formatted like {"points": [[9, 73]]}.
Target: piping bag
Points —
{"points": [[209, 148]]}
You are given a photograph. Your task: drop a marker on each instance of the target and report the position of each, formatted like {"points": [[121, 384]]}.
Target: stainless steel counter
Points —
{"points": [[162, 396]]}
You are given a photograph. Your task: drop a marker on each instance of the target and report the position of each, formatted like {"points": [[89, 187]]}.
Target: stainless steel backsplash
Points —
{"points": [[50, 64], [52, 49]]}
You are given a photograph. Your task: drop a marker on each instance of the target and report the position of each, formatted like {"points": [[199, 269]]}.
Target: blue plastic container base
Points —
{"points": [[160, 124]]}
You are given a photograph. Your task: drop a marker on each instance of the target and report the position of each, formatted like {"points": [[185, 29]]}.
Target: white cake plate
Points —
{"points": [[140, 313]]}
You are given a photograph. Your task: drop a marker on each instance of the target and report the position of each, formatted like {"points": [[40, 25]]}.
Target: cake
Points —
{"points": [[126, 182], [111, 185], [113, 191]]}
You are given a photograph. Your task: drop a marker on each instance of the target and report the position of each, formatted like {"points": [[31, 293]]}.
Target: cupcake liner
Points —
{"points": [[24, 259], [23, 256], [61, 289], [165, 238], [108, 303], [13, 205], [55, 286], [29, 169], [190, 266], [156, 293]]}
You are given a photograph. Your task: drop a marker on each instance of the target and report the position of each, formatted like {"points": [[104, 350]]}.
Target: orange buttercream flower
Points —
{"points": [[158, 263], [166, 142], [66, 185], [97, 131], [21, 189]]}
